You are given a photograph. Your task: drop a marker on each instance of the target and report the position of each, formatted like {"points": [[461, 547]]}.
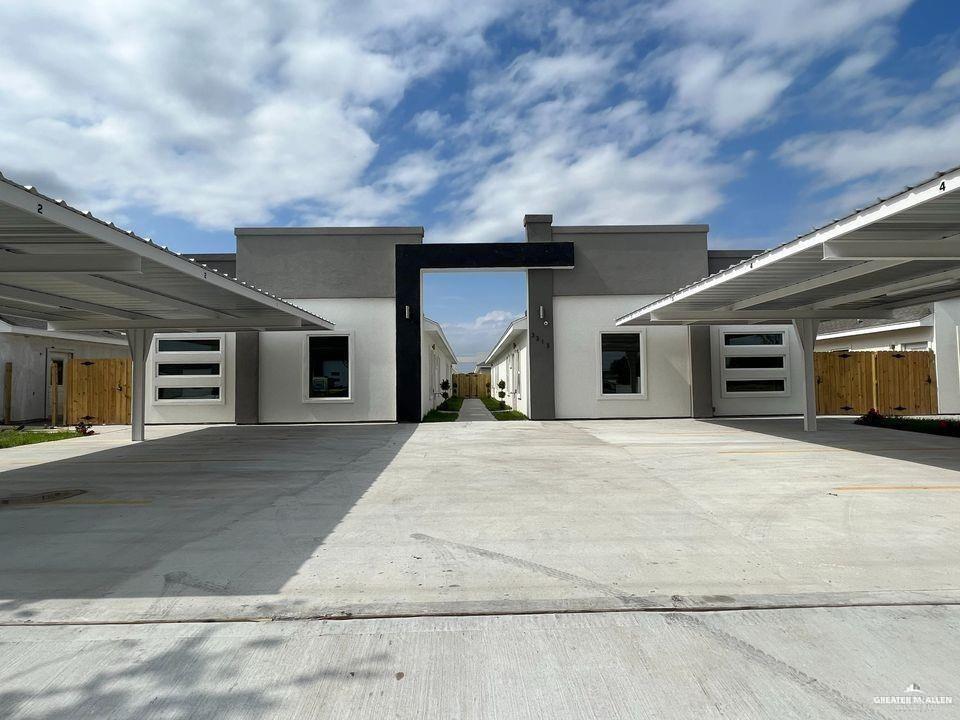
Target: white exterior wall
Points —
{"points": [[946, 327], [790, 403], [512, 366], [31, 374], [578, 322], [888, 340], [435, 367], [373, 368], [193, 411]]}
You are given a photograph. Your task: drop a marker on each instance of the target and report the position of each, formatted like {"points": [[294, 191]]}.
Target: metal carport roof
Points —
{"points": [[75, 272], [900, 251]]}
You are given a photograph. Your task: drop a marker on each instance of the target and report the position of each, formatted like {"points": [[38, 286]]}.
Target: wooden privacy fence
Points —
{"points": [[895, 383], [98, 389], [471, 385]]}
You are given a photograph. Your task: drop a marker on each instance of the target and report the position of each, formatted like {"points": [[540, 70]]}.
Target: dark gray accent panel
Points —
{"points": [[701, 371], [412, 260], [543, 404], [223, 263], [247, 378], [540, 295], [718, 260], [323, 262], [639, 260]]}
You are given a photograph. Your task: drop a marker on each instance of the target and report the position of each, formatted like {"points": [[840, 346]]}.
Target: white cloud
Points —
{"points": [[472, 340], [219, 114], [774, 25], [912, 151]]}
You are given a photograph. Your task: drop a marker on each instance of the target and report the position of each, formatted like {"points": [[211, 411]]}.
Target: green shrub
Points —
{"points": [[933, 426]]}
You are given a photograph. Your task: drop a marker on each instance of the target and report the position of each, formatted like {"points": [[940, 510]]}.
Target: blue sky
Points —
{"points": [[182, 120]]}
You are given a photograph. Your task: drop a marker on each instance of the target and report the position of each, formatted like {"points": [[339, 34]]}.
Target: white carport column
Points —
{"points": [[807, 332], [139, 341]]}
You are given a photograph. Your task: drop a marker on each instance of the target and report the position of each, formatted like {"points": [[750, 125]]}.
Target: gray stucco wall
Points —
{"points": [[701, 371], [224, 263], [247, 378], [718, 260], [322, 262], [632, 260]]}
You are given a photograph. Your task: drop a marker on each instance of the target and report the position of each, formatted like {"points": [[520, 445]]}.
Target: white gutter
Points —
{"points": [[925, 322], [7, 329]]}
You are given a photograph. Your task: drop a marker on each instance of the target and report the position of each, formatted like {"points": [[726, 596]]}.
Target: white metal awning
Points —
{"points": [[75, 272], [903, 250]]}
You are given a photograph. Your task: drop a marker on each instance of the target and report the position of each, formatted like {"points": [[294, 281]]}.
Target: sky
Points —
{"points": [[182, 120]]}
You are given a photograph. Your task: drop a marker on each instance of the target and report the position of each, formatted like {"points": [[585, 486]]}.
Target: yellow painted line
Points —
{"points": [[893, 488]]}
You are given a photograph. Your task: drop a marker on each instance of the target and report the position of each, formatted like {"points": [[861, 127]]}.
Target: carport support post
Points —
{"points": [[807, 332], [139, 341]]}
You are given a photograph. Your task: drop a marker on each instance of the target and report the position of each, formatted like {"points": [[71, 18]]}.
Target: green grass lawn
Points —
{"points": [[438, 416], [492, 404], [13, 438], [510, 415], [454, 404]]}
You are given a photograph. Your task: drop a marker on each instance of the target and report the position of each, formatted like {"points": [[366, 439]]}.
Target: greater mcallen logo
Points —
{"points": [[913, 695]]}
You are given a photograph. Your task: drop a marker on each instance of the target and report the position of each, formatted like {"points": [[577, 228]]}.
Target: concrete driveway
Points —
{"points": [[440, 522]]}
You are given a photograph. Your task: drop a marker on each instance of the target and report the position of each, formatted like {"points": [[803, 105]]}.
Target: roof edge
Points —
{"points": [[382, 230], [575, 229]]}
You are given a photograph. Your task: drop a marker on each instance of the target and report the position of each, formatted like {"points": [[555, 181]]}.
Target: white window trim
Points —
{"points": [[202, 356], [642, 395], [305, 369], [782, 350]]}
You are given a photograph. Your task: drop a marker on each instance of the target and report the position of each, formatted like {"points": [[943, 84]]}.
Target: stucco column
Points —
{"points": [[539, 228], [139, 341], [807, 332]]}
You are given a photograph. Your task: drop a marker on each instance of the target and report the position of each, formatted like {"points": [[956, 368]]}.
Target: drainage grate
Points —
{"points": [[39, 498]]}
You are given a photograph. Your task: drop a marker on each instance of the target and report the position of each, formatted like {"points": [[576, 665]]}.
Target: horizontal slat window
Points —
{"points": [[749, 362], [752, 339], [182, 345], [188, 393], [754, 362], [188, 369], [772, 385]]}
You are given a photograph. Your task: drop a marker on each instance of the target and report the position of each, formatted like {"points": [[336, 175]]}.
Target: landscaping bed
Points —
{"points": [[451, 404], [933, 426], [492, 404], [509, 415], [15, 438]]}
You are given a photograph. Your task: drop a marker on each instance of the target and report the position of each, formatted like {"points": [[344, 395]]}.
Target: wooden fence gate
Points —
{"points": [[99, 389], [471, 385], [895, 383]]}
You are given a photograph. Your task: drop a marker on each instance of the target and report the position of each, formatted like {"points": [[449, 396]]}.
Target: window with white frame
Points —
{"points": [[327, 368], [754, 363], [188, 369], [622, 364]]}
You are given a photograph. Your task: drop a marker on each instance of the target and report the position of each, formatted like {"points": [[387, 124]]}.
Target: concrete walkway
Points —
{"points": [[474, 411]]}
